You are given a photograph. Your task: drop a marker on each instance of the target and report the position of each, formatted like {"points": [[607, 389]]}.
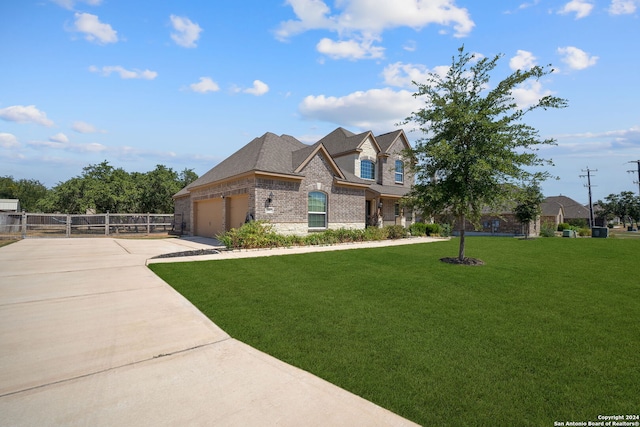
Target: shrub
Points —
{"points": [[251, 235], [375, 233], [261, 234], [578, 223], [445, 230], [396, 231], [418, 229], [433, 229], [584, 232], [564, 226], [548, 230]]}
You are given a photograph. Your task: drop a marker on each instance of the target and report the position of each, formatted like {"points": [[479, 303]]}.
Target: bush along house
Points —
{"points": [[344, 180]]}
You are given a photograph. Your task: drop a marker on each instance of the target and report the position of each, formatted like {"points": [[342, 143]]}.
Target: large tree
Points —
{"points": [[476, 146]]}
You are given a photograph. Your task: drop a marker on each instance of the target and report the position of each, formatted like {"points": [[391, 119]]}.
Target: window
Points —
{"points": [[367, 169], [396, 209], [317, 210], [399, 171]]}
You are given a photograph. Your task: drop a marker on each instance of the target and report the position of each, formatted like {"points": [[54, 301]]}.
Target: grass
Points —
{"points": [[547, 330]]}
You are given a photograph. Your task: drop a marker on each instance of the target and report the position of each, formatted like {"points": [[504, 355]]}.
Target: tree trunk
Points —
{"points": [[462, 227]]}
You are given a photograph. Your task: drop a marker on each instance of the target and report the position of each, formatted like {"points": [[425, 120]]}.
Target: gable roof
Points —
{"points": [[342, 141], [268, 153], [572, 209], [386, 140], [302, 157]]}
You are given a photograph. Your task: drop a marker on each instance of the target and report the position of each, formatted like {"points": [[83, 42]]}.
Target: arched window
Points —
{"points": [[399, 176], [317, 209], [367, 169]]}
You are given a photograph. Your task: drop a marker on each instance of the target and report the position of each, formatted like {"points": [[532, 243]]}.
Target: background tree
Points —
{"points": [[28, 191], [624, 206], [103, 188], [529, 204], [475, 141]]}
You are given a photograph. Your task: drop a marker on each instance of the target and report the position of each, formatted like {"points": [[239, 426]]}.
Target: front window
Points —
{"points": [[317, 210], [367, 169], [399, 171]]}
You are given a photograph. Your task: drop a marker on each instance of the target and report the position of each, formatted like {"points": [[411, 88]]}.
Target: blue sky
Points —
{"points": [[185, 84]]}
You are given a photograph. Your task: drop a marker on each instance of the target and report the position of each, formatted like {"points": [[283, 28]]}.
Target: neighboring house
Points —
{"points": [[344, 180], [552, 213], [571, 210], [502, 222], [9, 205]]}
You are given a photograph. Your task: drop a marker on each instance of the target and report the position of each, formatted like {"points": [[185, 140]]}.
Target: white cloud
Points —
{"points": [[581, 8], [94, 30], [349, 49], [623, 7], [375, 109], [576, 59], [83, 127], [124, 73], [374, 16], [92, 147], [8, 140], [204, 85], [25, 114], [523, 60], [529, 93], [402, 75], [259, 88], [59, 137], [70, 4], [187, 32]]}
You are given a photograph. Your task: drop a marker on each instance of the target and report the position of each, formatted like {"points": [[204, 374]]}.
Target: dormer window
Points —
{"points": [[399, 175], [367, 169]]}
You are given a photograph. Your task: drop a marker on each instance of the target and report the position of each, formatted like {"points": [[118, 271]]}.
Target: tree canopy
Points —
{"points": [[102, 188], [475, 145], [625, 206]]}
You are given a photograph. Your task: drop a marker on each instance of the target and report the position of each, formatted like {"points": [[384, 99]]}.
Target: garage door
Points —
{"points": [[209, 217], [237, 211]]}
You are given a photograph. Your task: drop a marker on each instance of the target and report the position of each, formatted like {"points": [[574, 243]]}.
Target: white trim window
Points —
{"points": [[367, 169], [317, 210], [399, 174]]}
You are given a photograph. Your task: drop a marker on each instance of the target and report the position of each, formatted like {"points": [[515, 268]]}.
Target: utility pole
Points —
{"points": [[588, 175], [636, 170]]}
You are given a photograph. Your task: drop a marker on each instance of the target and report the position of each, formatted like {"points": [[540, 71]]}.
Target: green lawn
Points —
{"points": [[547, 330]]}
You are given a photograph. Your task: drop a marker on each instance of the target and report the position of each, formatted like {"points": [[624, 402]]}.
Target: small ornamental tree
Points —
{"points": [[528, 208], [475, 143]]}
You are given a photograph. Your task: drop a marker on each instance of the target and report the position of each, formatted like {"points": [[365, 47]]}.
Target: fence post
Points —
{"points": [[106, 224], [24, 224], [68, 225], [148, 225]]}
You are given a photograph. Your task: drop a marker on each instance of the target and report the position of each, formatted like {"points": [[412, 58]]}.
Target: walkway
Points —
{"points": [[90, 336]]}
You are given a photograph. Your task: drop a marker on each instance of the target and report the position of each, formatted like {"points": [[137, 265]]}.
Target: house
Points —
{"points": [[345, 180], [571, 210], [552, 212], [498, 222]]}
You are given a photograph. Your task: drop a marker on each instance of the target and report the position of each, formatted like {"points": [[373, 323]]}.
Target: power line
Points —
{"points": [[636, 170], [588, 175]]}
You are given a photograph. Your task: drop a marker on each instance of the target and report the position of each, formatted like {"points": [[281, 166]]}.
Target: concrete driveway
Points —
{"points": [[90, 336]]}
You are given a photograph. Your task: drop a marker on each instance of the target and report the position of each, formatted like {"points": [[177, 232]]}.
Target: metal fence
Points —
{"points": [[23, 225]]}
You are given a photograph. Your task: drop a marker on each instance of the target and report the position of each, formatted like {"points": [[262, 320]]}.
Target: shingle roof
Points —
{"points": [[268, 153], [387, 139], [343, 141], [550, 207], [572, 209]]}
